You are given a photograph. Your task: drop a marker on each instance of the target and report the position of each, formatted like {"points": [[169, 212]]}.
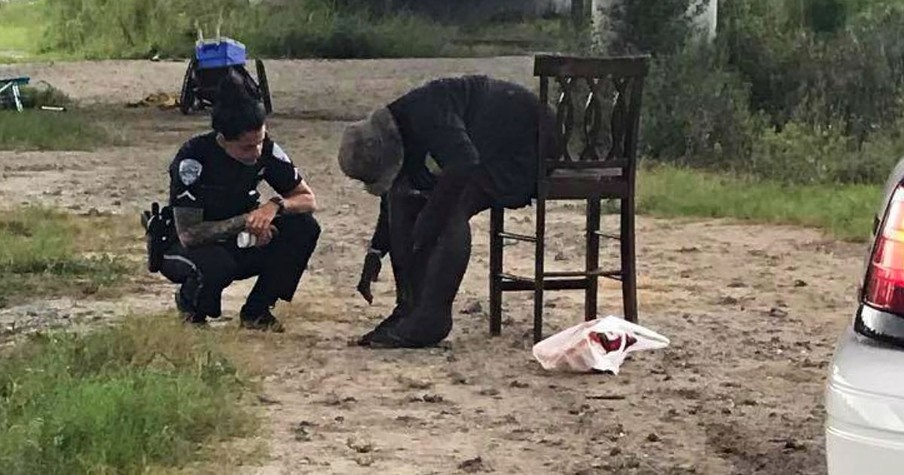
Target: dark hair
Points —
{"points": [[238, 108]]}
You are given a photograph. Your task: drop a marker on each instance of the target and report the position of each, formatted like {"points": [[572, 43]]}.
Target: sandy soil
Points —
{"points": [[752, 311]]}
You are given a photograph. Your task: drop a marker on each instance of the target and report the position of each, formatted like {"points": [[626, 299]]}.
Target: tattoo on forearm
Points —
{"points": [[193, 230]]}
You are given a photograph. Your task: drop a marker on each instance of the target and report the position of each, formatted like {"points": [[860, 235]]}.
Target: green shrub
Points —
{"points": [[696, 112]]}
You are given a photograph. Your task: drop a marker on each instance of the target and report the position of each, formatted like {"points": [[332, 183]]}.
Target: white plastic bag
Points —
{"points": [[600, 344]]}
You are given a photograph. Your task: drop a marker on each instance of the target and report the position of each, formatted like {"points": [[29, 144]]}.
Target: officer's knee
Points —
{"points": [[300, 228], [214, 266], [313, 227]]}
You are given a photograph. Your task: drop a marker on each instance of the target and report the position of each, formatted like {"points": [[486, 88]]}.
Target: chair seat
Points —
{"points": [[579, 184], [21, 81]]}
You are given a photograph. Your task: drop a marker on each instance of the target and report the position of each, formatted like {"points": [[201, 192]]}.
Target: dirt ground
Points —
{"points": [[752, 311]]}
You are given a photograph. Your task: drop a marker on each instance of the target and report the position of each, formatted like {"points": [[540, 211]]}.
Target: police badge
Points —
{"points": [[189, 171]]}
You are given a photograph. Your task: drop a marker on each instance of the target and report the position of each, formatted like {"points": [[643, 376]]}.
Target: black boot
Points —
{"points": [[187, 311], [259, 319]]}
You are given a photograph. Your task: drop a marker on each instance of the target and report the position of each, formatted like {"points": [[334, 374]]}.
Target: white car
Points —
{"points": [[865, 393]]}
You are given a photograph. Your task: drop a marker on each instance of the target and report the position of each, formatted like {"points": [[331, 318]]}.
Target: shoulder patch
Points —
{"points": [[280, 154], [189, 171]]}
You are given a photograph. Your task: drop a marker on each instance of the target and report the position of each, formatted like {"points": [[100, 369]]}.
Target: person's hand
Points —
{"points": [[369, 273], [258, 222], [265, 238]]}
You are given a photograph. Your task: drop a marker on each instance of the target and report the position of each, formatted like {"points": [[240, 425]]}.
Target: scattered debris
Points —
{"points": [[415, 383], [266, 400], [458, 378], [429, 398], [472, 308], [162, 100], [360, 445], [777, 313], [332, 399], [728, 300], [474, 465], [432, 398], [606, 397], [302, 431], [794, 445]]}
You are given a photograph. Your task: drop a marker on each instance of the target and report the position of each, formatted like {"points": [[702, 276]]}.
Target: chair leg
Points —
{"points": [[16, 97], [539, 268], [628, 268], [592, 258], [497, 223]]}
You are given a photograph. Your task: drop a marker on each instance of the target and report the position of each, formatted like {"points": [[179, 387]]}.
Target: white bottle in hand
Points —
{"points": [[245, 240]]}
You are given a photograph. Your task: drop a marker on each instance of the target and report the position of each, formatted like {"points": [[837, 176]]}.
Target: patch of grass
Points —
{"points": [[515, 37], [43, 94], [98, 29], [45, 253], [323, 33], [22, 24], [42, 130], [845, 211], [142, 396]]}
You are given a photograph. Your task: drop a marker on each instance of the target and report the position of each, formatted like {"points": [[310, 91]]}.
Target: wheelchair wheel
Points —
{"points": [[187, 96], [264, 85]]}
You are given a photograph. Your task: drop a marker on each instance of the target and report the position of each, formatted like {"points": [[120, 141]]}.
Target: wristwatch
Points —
{"points": [[280, 204]]}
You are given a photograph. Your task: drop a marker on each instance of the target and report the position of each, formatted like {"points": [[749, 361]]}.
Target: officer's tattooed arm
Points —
{"points": [[194, 231]]}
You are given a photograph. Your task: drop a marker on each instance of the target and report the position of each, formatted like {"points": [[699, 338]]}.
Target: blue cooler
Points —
{"points": [[219, 54]]}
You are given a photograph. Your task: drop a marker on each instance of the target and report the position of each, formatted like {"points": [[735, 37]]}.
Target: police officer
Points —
{"points": [[482, 135], [224, 232]]}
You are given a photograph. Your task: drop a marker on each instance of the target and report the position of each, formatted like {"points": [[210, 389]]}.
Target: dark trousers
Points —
{"points": [[204, 271], [427, 282]]}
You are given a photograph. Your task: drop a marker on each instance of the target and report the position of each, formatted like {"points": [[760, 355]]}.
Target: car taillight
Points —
{"points": [[884, 287]]}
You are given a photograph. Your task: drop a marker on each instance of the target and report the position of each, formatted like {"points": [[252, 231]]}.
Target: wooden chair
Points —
{"points": [[590, 165]]}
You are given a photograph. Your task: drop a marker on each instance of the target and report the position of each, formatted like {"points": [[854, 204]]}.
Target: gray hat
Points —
{"points": [[371, 151]]}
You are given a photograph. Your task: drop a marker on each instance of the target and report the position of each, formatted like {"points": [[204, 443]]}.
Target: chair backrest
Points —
{"points": [[597, 111]]}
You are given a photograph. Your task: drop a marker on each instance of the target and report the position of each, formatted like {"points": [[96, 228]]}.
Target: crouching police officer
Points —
{"points": [[224, 233]]}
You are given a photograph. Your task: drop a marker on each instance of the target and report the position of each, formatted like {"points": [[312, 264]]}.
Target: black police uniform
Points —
{"points": [[476, 122], [203, 176]]}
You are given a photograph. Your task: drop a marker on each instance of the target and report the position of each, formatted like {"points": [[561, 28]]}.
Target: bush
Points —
{"points": [[812, 72], [310, 29], [696, 112], [800, 153], [43, 94], [788, 95], [649, 26]]}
